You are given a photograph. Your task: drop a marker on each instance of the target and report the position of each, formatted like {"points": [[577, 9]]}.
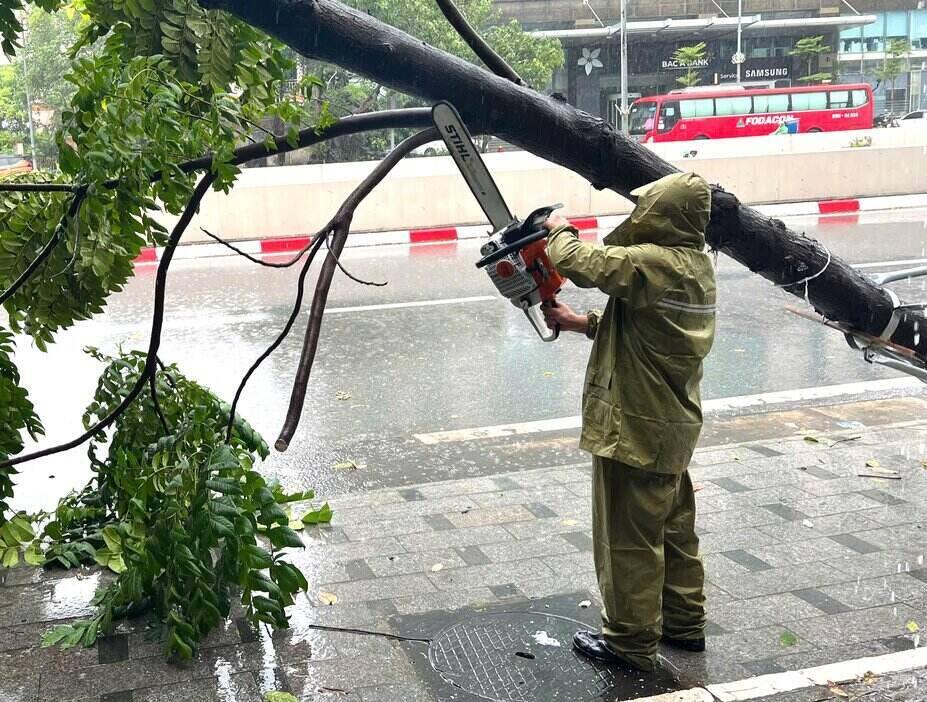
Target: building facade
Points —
{"points": [[854, 31]]}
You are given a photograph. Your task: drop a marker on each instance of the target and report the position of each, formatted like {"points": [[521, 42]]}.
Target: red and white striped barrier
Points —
{"points": [[836, 211]]}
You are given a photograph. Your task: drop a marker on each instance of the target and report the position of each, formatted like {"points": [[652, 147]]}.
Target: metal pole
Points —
{"points": [[624, 66], [740, 18], [28, 98]]}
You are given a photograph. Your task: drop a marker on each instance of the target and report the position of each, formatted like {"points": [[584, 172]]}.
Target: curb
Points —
{"points": [[846, 210]]}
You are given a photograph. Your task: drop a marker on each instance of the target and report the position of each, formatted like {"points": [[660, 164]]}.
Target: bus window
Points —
{"points": [[669, 115], [640, 115], [809, 101], [839, 99], [771, 103], [733, 105], [698, 108], [860, 98]]}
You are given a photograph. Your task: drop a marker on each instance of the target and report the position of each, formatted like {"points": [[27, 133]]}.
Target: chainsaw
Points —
{"points": [[515, 255]]}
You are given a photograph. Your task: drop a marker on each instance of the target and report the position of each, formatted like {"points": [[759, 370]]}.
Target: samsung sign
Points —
{"points": [[771, 73]]}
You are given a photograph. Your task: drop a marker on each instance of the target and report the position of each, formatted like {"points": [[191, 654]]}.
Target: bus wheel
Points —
{"points": [[815, 130], [701, 137]]}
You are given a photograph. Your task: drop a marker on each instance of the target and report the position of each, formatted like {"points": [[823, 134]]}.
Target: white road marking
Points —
{"points": [[717, 406], [890, 264], [405, 305]]}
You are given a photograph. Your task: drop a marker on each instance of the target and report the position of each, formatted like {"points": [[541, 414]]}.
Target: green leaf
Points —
{"points": [[276, 696], [323, 515], [10, 557], [282, 537], [33, 554], [788, 639]]}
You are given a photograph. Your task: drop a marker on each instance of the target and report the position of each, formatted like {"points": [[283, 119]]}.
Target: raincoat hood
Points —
{"points": [[671, 211]]}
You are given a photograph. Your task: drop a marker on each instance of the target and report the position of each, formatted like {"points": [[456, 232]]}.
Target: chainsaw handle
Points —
{"points": [[514, 247]]}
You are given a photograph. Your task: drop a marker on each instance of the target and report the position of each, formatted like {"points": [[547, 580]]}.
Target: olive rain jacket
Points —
{"points": [[641, 402]]}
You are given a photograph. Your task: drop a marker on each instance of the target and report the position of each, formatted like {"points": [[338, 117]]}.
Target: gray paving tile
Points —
{"points": [[883, 497], [439, 522], [490, 516], [789, 514], [558, 584], [409, 692], [766, 666], [756, 644], [503, 482], [540, 511], [571, 563], [759, 612], [112, 649], [834, 504], [422, 562], [449, 600], [240, 686], [870, 565], [506, 591], [764, 450], [819, 473], [379, 588], [580, 540], [854, 543], [490, 574], [123, 696], [474, 536], [359, 570], [795, 552], [378, 528], [855, 626], [875, 592], [550, 494], [747, 560], [778, 580], [352, 674], [353, 550], [411, 495], [580, 520], [517, 550], [821, 526], [821, 601], [17, 687], [748, 538], [103, 679], [730, 485], [476, 555], [420, 508]]}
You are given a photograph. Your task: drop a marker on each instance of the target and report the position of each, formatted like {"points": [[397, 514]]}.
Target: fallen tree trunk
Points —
{"points": [[329, 31]]}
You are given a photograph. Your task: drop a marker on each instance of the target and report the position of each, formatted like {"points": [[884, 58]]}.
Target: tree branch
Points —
{"points": [[340, 224], [50, 245], [493, 61], [154, 342], [330, 31]]}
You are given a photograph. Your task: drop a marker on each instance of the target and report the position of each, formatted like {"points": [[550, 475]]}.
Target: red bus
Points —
{"points": [[734, 111]]}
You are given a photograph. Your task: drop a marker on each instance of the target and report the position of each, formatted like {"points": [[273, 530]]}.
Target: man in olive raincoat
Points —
{"points": [[642, 413]]}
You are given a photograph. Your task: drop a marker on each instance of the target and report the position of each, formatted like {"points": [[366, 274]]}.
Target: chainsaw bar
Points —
{"points": [[471, 165]]}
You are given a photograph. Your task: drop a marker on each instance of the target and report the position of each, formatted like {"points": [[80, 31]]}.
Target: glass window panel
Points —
{"points": [[877, 28], [918, 24], [698, 108], [896, 24], [733, 106], [771, 103], [839, 99], [809, 101], [859, 98]]}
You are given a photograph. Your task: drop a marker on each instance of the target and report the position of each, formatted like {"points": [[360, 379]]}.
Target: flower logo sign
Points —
{"points": [[590, 60]]}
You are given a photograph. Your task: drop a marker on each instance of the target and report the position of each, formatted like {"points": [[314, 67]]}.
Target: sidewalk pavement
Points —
{"points": [[809, 563]]}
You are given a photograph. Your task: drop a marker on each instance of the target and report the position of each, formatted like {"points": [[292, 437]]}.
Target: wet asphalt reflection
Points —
{"points": [[384, 374]]}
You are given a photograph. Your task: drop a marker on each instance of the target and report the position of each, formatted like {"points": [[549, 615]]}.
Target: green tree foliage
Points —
{"points": [[893, 65], [808, 49], [689, 57], [179, 514], [13, 124], [535, 60]]}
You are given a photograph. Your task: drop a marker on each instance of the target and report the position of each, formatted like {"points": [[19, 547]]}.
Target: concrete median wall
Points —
{"points": [[429, 192]]}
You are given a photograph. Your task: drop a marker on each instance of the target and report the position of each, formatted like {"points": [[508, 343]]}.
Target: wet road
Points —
{"points": [[410, 369]]}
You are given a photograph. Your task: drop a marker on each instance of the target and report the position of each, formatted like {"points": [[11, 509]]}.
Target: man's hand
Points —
{"points": [[558, 314], [555, 221]]}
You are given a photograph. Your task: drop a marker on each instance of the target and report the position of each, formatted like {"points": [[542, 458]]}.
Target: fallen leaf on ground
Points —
{"points": [[812, 440], [322, 515], [275, 696], [328, 598], [341, 395], [868, 678], [569, 522], [436, 567], [339, 690], [350, 465], [873, 463], [296, 524], [924, 464], [912, 626], [787, 638], [835, 689], [548, 374]]}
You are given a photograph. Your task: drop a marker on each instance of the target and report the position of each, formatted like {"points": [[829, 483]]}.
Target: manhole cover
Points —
{"points": [[518, 657]]}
